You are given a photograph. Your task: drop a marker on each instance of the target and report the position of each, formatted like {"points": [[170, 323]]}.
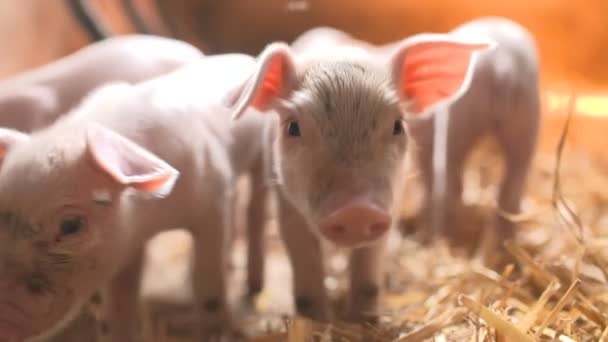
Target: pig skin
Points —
{"points": [[170, 137], [35, 98], [338, 144], [503, 100]]}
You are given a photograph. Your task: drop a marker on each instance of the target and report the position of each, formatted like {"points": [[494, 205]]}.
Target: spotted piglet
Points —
{"points": [[338, 149], [79, 199]]}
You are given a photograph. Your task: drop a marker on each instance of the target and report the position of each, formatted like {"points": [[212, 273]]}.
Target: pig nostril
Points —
{"points": [[378, 228], [338, 230]]}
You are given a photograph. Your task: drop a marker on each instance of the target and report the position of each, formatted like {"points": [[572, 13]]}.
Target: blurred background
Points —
{"points": [[572, 35]]}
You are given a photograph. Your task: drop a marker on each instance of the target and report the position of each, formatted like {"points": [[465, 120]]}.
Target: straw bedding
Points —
{"points": [[552, 285]]}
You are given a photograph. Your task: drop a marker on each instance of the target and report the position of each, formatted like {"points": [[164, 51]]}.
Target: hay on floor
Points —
{"points": [[553, 289]]}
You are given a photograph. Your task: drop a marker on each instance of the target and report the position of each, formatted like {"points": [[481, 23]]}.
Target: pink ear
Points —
{"points": [[128, 163], [271, 83], [431, 68], [9, 138], [271, 80]]}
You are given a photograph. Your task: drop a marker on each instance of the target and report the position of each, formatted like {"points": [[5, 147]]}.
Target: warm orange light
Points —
{"points": [[586, 104], [593, 105]]}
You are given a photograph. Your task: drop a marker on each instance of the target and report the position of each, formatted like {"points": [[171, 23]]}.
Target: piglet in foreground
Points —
{"points": [[34, 99], [79, 199], [502, 99], [339, 149]]}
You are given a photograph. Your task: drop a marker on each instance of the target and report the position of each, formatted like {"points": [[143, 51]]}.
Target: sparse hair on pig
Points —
{"points": [[338, 149]]}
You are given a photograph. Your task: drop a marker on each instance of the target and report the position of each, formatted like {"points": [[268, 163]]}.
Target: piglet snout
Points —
{"points": [[355, 224]]}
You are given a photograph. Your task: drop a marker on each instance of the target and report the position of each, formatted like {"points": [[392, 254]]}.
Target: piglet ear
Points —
{"points": [[9, 138], [128, 163], [273, 78], [430, 69]]}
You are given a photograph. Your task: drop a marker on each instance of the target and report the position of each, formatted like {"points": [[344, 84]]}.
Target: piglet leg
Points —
{"points": [[304, 250], [452, 198], [366, 267], [518, 143], [120, 303], [256, 215], [210, 264]]}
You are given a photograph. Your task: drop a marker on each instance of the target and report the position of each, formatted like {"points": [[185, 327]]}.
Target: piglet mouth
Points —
{"points": [[12, 323]]}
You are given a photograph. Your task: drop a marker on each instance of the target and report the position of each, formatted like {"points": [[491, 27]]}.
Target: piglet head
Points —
{"points": [[63, 219], [341, 140]]}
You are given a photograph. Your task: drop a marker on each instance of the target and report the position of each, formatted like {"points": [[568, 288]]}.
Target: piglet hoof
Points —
{"points": [[364, 305], [254, 287], [493, 251], [308, 307], [215, 320], [218, 332], [365, 318]]}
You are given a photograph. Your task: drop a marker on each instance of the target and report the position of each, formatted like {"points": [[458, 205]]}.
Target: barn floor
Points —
{"points": [[554, 289]]}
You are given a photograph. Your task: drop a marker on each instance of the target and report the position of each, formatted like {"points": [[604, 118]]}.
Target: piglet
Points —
{"points": [[322, 38], [34, 99], [338, 147], [503, 100], [79, 199]]}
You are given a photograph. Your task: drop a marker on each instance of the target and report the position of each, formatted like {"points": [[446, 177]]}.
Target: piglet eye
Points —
{"points": [[71, 225], [398, 127], [293, 129]]}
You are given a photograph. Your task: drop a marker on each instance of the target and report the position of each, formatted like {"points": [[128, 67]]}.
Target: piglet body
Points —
{"points": [[337, 148], [34, 99], [80, 198], [503, 100], [323, 39]]}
